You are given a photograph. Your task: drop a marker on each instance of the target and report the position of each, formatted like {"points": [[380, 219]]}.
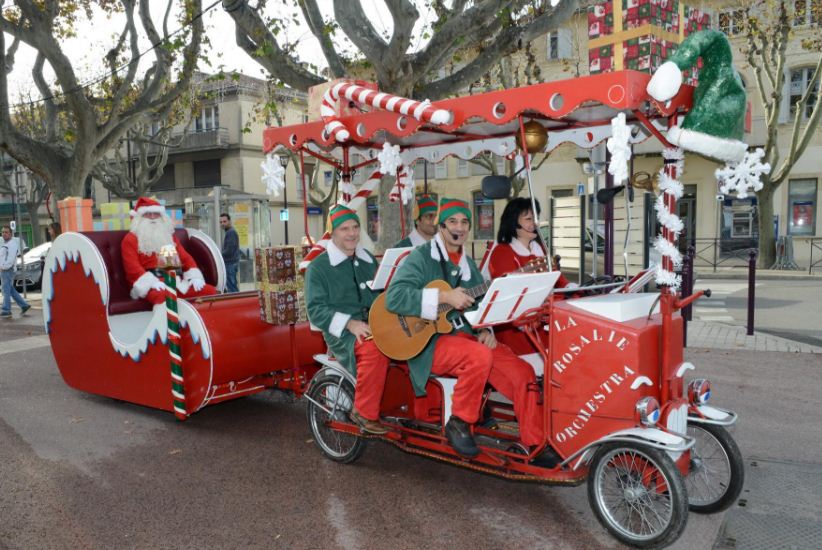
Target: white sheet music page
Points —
{"points": [[391, 261], [508, 297]]}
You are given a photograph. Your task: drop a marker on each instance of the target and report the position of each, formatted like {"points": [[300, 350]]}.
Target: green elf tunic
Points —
{"points": [[407, 295], [336, 291], [413, 239]]}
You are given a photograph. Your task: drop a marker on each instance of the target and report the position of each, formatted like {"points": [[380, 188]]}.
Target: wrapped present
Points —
{"points": [[282, 307], [343, 107], [116, 215], [75, 214], [640, 34], [176, 215]]}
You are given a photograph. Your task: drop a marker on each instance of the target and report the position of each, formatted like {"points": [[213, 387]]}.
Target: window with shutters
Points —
{"points": [[798, 85], [559, 44], [440, 169], [207, 173], [807, 12], [462, 168], [208, 119], [166, 181], [731, 22]]}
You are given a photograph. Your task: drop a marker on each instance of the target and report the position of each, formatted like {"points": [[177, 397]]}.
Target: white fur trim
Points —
{"points": [[416, 239], [157, 209], [435, 254], [143, 285], [729, 150], [534, 249], [337, 256], [192, 274], [441, 116], [338, 323], [666, 82], [430, 303]]}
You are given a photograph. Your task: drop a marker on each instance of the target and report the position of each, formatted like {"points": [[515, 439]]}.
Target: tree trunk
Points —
{"points": [[390, 227], [767, 248]]}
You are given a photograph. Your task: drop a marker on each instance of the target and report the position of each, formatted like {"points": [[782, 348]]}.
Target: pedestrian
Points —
{"points": [[8, 264], [231, 253], [54, 229]]}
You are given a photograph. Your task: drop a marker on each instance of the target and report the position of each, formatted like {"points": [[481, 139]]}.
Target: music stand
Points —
{"points": [[391, 260], [508, 297]]}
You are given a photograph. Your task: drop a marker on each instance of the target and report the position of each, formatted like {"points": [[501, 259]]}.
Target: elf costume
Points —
{"points": [[459, 353], [714, 126], [336, 292], [424, 205]]}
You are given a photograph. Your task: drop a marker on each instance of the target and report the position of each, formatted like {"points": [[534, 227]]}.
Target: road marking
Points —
{"points": [[716, 318], [23, 344]]}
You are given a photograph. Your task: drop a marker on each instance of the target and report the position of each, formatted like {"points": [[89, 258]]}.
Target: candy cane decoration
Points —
{"points": [[670, 191], [403, 188], [356, 201], [420, 110], [178, 394]]}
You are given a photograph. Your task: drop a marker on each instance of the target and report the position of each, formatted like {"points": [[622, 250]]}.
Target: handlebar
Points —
{"points": [[685, 302]]}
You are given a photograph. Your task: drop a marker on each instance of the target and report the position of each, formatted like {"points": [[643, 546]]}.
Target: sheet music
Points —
{"points": [[391, 261], [508, 297]]}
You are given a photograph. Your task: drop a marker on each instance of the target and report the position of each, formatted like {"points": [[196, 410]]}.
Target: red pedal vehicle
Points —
{"points": [[619, 410]]}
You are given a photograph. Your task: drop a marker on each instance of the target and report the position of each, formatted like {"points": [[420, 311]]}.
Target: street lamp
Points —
{"points": [[284, 158]]}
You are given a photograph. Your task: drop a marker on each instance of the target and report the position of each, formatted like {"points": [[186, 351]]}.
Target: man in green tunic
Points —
{"points": [[425, 222], [473, 357], [338, 301]]}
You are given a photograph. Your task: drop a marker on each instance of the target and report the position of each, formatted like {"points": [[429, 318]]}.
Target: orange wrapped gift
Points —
{"points": [[75, 214]]}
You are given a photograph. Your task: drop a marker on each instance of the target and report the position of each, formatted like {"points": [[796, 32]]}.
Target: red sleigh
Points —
{"points": [[108, 344]]}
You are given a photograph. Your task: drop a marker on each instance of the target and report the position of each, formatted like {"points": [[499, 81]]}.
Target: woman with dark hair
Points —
{"points": [[517, 244], [54, 229]]}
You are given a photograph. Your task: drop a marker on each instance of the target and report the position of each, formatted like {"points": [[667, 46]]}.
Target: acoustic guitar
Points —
{"points": [[402, 337]]}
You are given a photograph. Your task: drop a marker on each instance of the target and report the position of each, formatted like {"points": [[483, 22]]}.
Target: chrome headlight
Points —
{"points": [[647, 409], [699, 391]]}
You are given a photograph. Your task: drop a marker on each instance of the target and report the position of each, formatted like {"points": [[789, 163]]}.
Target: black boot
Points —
{"points": [[460, 438], [548, 458]]}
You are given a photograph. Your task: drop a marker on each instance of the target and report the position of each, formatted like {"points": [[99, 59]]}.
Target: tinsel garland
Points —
{"points": [[671, 186]]}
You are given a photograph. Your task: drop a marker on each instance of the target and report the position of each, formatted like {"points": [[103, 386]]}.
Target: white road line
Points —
{"points": [[23, 344], [716, 318]]}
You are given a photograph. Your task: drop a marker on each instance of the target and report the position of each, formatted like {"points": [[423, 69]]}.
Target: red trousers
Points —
{"points": [[514, 378], [372, 369], [159, 296], [463, 357]]}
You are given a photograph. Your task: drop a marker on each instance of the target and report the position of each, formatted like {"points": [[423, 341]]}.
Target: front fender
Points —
{"points": [[673, 444], [705, 414]]}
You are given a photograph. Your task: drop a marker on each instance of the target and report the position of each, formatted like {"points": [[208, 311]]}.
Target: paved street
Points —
{"points": [[84, 471]]}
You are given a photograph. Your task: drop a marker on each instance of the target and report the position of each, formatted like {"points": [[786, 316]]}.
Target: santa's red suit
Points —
{"points": [[146, 284]]}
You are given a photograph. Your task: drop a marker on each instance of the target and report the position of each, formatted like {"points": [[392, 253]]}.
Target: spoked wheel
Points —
{"points": [[332, 398], [637, 493], [717, 471]]}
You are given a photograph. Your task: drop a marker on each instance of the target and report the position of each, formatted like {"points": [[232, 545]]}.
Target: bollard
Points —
{"points": [[685, 291], [751, 289]]}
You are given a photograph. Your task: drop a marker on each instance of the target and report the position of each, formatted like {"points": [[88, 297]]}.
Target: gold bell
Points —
{"points": [[536, 137], [644, 180]]}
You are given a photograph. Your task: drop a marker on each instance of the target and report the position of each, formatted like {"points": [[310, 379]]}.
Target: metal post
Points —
{"points": [[582, 218], [608, 228], [19, 226], [716, 247], [686, 287], [752, 253], [285, 207]]}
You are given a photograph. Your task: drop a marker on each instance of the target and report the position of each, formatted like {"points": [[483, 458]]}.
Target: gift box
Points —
{"points": [[280, 284], [115, 215], [282, 307], [343, 107], [75, 214], [642, 35], [176, 215]]}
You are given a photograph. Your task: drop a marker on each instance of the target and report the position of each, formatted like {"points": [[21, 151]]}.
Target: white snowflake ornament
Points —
{"points": [[743, 176], [389, 158], [273, 175], [620, 148]]}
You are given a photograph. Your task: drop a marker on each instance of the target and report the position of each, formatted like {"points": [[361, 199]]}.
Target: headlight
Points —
{"points": [[699, 391], [647, 409], [33, 266]]}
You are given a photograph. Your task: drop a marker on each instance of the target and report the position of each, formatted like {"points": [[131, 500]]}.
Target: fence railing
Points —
{"points": [[715, 253], [816, 245]]}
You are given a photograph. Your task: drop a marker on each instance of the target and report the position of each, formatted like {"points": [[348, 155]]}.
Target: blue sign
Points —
{"points": [[314, 210], [580, 189], [283, 215]]}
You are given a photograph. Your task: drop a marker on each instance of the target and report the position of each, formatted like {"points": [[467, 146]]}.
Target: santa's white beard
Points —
{"points": [[152, 234]]}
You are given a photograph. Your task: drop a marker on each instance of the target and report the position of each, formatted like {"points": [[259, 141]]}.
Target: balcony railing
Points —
{"points": [[214, 138]]}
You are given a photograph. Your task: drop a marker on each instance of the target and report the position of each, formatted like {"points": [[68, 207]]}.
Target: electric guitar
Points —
{"points": [[402, 337]]}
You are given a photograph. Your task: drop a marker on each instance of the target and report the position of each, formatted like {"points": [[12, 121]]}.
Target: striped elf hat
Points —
{"points": [[424, 205], [340, 214], [449, 207]]}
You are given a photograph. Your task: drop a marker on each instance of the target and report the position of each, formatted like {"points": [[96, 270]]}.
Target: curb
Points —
{"points": [[743, 276]]}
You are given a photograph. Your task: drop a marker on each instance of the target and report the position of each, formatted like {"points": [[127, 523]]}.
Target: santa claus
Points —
{"points": [[151, 230]]}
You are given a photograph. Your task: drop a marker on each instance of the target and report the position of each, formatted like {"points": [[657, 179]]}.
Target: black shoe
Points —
{"points": [[24, 309], [548, 458], [487, 419], [460, 438]]}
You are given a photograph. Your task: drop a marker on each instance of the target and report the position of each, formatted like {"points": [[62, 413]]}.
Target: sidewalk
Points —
{"points": [[707, 272], [703, 334]]}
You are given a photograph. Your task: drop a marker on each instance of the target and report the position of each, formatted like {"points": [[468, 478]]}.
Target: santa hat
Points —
{"points": [[145, 204], [714, 126]]}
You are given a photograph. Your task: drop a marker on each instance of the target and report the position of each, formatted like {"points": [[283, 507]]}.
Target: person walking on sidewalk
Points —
{"points": [[8, 263], [231, 253]]}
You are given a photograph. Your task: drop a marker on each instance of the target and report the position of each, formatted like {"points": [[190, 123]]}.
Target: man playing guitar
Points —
{"points": [[474, 358]]}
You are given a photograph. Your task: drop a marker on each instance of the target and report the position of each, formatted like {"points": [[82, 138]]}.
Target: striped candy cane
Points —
{"points": [[670, 191], [354, 203], [178, 395], [420, 110], [403, 183]]}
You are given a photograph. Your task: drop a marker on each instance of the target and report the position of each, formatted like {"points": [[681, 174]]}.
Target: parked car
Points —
{"points": [[30, 266]]}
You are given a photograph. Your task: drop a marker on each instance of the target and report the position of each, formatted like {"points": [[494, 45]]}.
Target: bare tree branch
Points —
{"points": [[315, 22]]}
